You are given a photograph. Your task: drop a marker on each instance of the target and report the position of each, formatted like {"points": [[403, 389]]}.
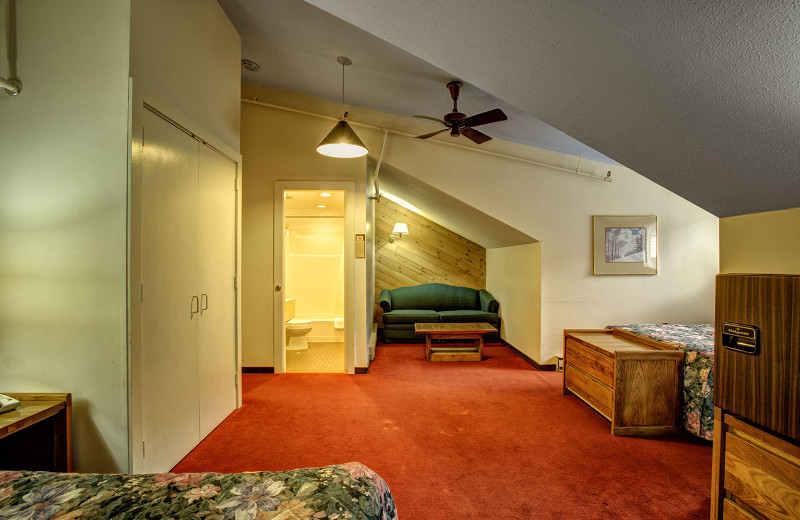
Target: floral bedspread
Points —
{"points": [[697, 341], [346, 491]]}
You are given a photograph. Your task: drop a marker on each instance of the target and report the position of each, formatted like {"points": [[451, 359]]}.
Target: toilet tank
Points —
{"points": [[288, 309]]}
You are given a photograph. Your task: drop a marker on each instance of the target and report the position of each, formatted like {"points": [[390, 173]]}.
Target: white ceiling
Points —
{"points": [[700, 97]]}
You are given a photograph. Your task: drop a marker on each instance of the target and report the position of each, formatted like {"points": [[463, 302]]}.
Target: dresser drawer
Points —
{"points": [[731, 511], [590, 361], [766, 482], [595, 394]]}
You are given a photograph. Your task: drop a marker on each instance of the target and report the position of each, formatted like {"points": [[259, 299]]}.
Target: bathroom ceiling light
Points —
{"points": [[321, 206], [342, 141], [399, 230], [325, 194]]}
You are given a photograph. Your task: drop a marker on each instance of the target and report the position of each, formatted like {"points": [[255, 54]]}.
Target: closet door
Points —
{"points": [[169, 367], [216, 267]]}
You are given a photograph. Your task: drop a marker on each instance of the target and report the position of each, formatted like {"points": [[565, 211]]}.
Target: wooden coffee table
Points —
{"points": [[453, 352]]}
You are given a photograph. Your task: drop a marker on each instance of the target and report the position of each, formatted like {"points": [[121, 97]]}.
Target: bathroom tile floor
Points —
{"points": [[319, 357]]}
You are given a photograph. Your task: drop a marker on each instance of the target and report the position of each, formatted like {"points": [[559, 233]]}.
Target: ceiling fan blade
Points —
{"points": [[475, 136], [492, 116], [431, 118], [432, 133]]}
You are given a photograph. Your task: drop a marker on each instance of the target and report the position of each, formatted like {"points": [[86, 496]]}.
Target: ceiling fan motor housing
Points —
{"points": [[454, 87], [459, 124]]}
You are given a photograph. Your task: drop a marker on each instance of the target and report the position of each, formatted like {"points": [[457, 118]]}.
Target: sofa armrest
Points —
{"points": [[385, 300], [488, 303]]}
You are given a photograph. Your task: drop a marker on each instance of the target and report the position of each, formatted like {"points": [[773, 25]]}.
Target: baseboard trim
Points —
{"points": [[362, 370], [258, 370], [544, 368]]}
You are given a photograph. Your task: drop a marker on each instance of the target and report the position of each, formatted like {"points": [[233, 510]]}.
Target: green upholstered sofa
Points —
{"points": [[435, 303]]}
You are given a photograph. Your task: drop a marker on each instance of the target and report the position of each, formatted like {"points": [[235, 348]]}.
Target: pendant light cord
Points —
{"points": [[343, 110], [344, 61]]}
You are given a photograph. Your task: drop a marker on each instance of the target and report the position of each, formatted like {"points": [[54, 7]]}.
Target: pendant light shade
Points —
{"points": [[342, 141]]}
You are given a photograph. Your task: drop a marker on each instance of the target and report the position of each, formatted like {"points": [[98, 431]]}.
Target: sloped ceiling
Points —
{"points": [[447, 211], [296, 46], [700, 97]]}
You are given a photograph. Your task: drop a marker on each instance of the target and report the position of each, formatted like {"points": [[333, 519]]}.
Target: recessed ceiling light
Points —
{"points": [[321, 206], [250, 65], [325, 194]]}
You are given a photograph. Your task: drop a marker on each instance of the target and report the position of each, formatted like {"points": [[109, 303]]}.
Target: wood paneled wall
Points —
{"points": [[429, 253]]}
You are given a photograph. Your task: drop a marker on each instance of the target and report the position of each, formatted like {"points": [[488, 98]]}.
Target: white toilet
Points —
{"points": [[296, 329]]}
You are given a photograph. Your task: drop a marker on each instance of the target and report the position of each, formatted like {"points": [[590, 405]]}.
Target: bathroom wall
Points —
{"points": [[314, 274]]}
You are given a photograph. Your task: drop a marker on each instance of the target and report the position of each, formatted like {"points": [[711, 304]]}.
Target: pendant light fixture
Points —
{"points": [[342, 141]]}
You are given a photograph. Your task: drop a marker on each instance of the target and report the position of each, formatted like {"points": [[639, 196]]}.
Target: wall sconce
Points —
{"points": [[399, 230]]}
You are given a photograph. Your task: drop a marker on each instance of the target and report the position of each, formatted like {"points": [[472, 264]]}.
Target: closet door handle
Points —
{"points": [[195, 306], [203, 303]]}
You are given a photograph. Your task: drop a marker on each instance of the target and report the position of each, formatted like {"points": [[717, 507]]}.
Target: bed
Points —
{"points": [[346, 491], [697, 341]]}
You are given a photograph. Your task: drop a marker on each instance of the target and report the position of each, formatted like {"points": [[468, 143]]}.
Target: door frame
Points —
{"points": [[278, 276]]}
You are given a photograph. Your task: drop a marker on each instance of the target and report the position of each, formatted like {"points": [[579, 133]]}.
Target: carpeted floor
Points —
{"points": [[468, 440]]}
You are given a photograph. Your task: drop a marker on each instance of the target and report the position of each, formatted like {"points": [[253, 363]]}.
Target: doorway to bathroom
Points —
{"points": [[312, 278]]}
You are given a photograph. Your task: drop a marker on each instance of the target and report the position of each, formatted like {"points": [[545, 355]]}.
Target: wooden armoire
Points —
{"points": [[756, 458]]}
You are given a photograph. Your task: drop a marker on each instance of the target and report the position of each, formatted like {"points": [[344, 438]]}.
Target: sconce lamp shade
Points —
{"points": [[400, 229], [342, 141]]}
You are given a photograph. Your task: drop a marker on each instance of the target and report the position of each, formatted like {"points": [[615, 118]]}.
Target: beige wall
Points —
{"points": [[64, 190], [190, 54], [513, 276], [760, 243], [556, 208], [278, 145], [63, 214]]}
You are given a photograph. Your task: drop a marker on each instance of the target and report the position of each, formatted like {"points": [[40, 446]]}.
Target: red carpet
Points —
{"points": [[468, 440]]}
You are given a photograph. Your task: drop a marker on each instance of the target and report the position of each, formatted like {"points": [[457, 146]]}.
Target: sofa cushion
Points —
{"points": [[435, 297], [410, 316], [467, 316]]}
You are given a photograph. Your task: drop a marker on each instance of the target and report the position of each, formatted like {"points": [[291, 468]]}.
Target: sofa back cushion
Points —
{"points": [[435, 297]]}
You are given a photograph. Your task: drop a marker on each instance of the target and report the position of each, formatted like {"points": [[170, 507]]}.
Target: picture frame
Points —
{"points": [[625, 244]]}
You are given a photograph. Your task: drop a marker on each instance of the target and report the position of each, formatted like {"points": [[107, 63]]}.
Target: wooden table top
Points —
{"points": [[607, 341], [429, 328], [32, 409]]}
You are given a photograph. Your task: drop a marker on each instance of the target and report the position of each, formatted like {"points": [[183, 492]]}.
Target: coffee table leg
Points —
{"points": [[480, 347], [428, 347]]}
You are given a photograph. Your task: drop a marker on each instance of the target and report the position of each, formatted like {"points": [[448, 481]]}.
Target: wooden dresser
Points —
{"points": [[634, 384]]}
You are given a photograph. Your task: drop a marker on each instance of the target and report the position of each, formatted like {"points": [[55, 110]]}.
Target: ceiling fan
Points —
{"points": [[459, 124]]}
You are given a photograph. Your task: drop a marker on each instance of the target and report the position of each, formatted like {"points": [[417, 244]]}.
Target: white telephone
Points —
{"points": [[7, 403]]}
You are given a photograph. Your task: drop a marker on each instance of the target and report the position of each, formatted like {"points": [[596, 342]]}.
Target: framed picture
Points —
{"points": [[625, 244]]}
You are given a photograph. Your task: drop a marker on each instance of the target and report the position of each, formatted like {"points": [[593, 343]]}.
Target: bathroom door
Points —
{"points": [[279, 269]]}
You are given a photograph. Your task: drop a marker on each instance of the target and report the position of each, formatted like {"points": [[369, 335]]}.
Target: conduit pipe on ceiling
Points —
{"points": [[606, 178], [12, 86], [375, 180]]}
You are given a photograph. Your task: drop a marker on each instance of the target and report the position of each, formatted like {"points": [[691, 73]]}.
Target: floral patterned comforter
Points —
{"points": [[347, 491], [697, 341]]}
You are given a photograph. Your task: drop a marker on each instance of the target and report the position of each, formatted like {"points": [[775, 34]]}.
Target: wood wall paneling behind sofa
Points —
{"points": [[429, 253]]}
